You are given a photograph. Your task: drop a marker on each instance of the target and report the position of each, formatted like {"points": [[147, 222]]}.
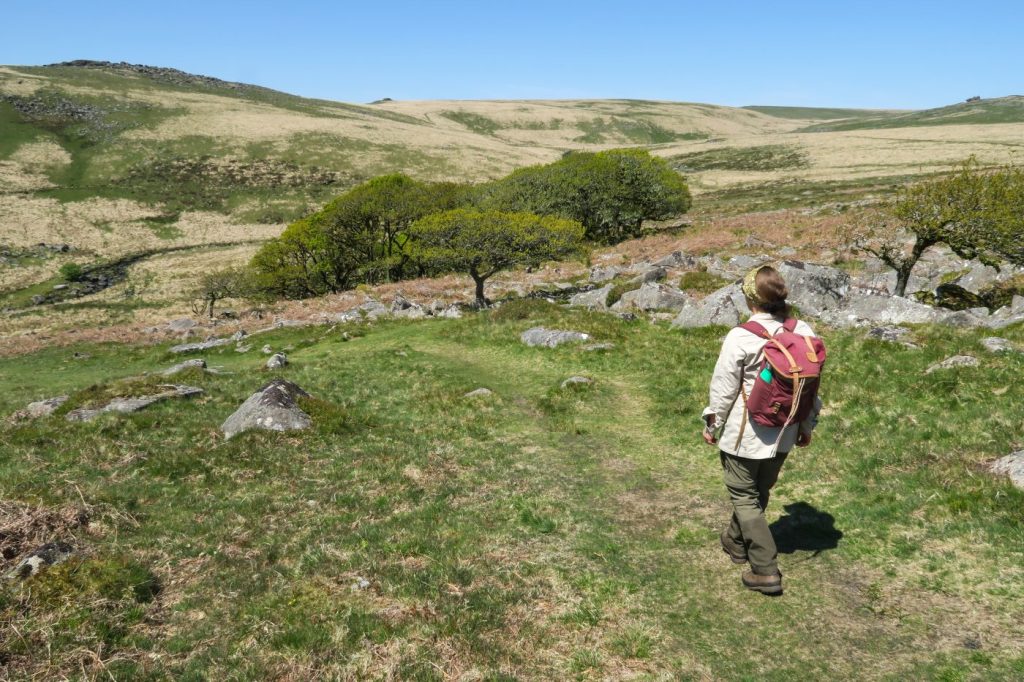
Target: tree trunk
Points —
{"points": [[481, 300], [905, 268]]}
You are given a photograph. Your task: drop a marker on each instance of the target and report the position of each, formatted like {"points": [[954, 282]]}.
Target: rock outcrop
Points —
{"points": [[550, 338], [274, 407], [652, 296], [129, 405]]}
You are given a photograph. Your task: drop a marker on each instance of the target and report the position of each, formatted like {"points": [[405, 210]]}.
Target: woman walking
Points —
{"points": [[752, 454]]}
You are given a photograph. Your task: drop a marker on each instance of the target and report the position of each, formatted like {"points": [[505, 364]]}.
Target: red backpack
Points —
{"points": [[788, 378]]}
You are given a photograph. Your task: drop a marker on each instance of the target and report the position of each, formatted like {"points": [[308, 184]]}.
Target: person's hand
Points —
{"points": [[803, 440], [709, 430]]}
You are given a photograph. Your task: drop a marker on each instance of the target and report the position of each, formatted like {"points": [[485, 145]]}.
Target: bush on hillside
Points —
{"points": [[483, 243], [610, 193]]}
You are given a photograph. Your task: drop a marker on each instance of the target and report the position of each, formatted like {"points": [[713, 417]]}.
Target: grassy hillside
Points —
{"points": [[116, 160], [818, 113], [539, 533], [982, 112]]}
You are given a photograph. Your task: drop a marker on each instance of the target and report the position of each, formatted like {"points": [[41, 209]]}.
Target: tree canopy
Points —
{"points": [[483, 243], [611, 192], [975, 212]]}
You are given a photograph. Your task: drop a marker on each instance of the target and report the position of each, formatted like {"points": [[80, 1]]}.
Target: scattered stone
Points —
{"points": [[652, 296], [277, 361], [1011, 465], [479, 393], [814, 288], [892, 335], [80, 356], [267, 350], [646, 272], [38, 299], [239, 335], [202, 345], [400, 303], [603, 274], [42, 557], [549, 338], [360, 584], [590, 348], [132, 404], [40, 408], [243, 348], [183, 324], [411, 312], [595, 299], [997, 344], [372, 309], [273, 408], [1017, 304], [676, 259], [198, 363], [60, 287], [576, 381], [452, 312], [955, 361]]}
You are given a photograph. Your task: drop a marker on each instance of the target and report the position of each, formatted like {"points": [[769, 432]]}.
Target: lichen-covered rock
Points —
{"points": [[892, 335], [593, 347], [814, 288], [603, 274], [652, 296], [550, 338], [194, 363], [596, 299], [274, 407], [479, 393], [859, 309], [40, 408], [277, 361], [47, 555], [726, 307], [202, 345], [132, 404], [996, 344], [955, 361], [1011, 465], [576, 381]]}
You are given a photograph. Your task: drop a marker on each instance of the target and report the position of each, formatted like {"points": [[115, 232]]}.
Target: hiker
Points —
{"points": [[752, 453]]}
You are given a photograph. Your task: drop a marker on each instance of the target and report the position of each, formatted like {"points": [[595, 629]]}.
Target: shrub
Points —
{"points": [[72, 272]]}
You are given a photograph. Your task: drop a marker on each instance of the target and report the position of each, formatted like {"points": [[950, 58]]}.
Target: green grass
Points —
{"points": [[998, 110], [761, 158], [539, 533], [475, 122], [820, 113], [794, 193], [636, 131], [701, 282]]}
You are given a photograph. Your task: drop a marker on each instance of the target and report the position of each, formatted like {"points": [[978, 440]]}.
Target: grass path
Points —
{"points": [[539, 533]]}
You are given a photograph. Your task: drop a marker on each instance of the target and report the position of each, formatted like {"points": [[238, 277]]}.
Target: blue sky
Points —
{"points": [[858, 54]]}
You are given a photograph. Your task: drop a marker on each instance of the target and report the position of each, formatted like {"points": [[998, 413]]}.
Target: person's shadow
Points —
{"points": [[804, 528]]}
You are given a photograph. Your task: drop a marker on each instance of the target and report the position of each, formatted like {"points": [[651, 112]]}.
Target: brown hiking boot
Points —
{"points": [[765, 584], [737, 556]]}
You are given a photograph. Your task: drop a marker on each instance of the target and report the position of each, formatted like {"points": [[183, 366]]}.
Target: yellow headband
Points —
{"points": [[750, 285]]}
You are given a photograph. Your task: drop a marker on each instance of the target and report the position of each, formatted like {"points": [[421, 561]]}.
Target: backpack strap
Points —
{"points": [[790, 324], [756, 328]]}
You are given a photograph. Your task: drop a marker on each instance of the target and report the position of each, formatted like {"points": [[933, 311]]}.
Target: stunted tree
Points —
{"points": [[976, 213], [483, 243], [358, 237], [611, 192], [216, 286]]}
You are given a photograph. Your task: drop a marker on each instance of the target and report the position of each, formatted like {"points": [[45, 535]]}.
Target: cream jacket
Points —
{"points": [[738, 362]]}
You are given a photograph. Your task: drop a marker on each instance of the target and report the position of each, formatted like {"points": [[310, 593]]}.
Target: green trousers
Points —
{"points": [[749, 482]]}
